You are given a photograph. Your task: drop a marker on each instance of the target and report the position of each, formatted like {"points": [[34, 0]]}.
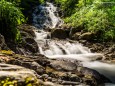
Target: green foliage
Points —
{"points": [[68, 6], [10, 18], [95, 16]]}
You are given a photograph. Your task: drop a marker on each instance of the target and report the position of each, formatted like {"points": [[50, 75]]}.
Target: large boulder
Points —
{"points": [[59, 33]]}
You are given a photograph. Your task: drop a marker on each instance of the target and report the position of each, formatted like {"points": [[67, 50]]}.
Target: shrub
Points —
{"points": [[67, 6], [94, 17], [10, 18]]}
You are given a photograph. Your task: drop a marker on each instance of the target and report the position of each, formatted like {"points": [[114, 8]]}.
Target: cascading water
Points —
{"points": [[45, 16]]}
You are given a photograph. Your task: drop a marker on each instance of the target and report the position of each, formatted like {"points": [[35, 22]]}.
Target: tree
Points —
{"points": [[10, 18]]}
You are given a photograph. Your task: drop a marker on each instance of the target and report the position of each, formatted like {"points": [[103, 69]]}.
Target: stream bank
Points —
{"points": [[51, 57]]}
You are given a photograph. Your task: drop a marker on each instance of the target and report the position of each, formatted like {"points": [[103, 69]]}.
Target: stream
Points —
{"points": [[46, 16]]}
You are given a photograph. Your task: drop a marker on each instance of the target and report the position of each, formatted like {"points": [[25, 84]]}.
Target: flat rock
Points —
{"points": [[16, 75]]}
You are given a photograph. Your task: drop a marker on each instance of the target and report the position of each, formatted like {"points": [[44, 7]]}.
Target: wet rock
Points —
{"points": [[26, 62], [70, 83], [76, 36], [75, 30], [92, 77], [65, 26], [28, 42], [30, 45], [27, 30], [16, 76], [3, 45], [63, 65], [87, 36], [59, 33], [47, 83], [58, 72]]}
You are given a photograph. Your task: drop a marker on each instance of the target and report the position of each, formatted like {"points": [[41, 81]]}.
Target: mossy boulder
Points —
{"points": [[12, 75]]}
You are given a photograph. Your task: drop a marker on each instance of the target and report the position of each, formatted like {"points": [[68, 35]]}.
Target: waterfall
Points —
{"points": [[46, 16]]}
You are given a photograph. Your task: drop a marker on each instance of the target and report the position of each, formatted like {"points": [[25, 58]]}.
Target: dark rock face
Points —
{"points": [[27, 30], [3, 45], [59, 33], [28, 45]]}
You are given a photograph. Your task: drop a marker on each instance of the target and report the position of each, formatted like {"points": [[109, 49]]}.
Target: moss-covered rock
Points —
{"points": [[12, 75]]}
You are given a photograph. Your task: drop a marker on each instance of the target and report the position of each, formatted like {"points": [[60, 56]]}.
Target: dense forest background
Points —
{"points": [[95, 16]]}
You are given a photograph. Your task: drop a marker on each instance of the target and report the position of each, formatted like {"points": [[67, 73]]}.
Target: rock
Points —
{"points": [[63, 65], [30, 45], [26, 62], [17, 76], [27, 30], [65, 26], [87, 36], [92, 77], [59, 33], [70, 83], [61, 72], [76, 36], [75, 30], [47, 83], [3, 45]]}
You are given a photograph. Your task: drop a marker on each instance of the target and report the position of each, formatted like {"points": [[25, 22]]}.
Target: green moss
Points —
{"points": [[7, 81], [8, 52]]}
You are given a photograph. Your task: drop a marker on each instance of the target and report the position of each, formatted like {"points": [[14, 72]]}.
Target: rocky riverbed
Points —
{"points": [[22, 65]]}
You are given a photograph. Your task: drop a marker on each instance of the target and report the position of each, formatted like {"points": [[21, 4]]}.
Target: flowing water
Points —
{"points": [[46, 16]]}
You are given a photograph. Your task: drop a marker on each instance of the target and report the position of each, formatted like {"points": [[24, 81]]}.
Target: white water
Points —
{"points": [[104, 68], [54, 49], [46, 16]]}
